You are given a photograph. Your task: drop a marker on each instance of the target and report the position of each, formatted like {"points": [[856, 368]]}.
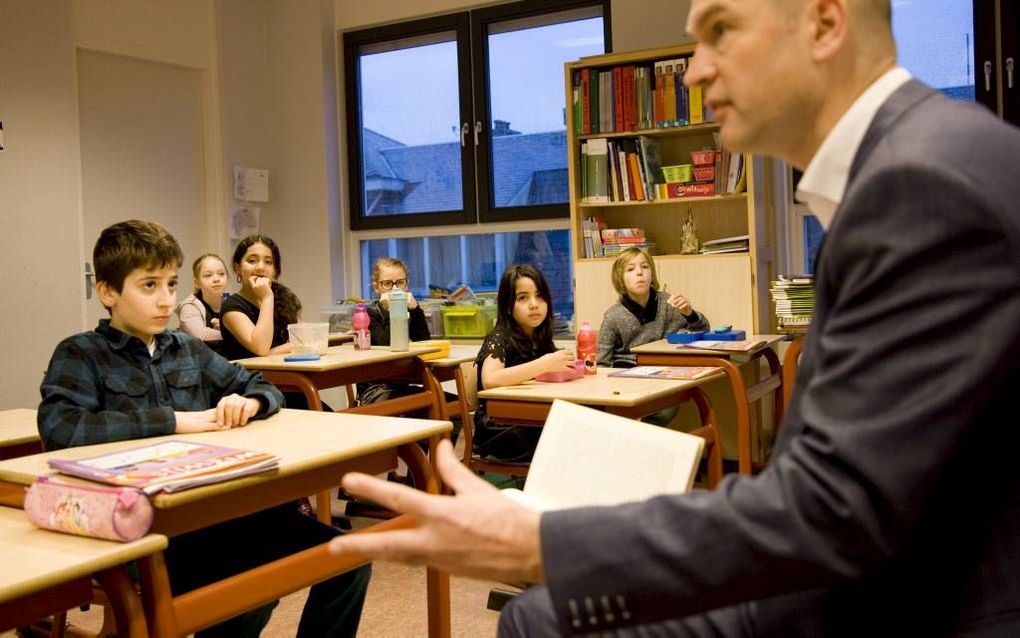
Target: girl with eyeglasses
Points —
{"points": [[389, 273]]}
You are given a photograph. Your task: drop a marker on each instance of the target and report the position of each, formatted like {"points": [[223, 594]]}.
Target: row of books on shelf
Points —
{"points": [[631, 170], [600, 241], [635, 97], [794, 297]]}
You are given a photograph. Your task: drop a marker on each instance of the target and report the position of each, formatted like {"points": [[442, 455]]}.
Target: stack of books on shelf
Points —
{"points": [[735, 244], [620, 170], [794, 296], [616, 240], [635, 97], [600, 241]]}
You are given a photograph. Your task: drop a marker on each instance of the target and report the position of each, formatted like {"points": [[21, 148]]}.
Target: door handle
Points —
{"points": [[988, 76], [1009, 73], [88, 280]]}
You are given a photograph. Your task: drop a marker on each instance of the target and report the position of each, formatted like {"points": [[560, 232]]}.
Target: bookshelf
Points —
{"points": [[729, 287]]}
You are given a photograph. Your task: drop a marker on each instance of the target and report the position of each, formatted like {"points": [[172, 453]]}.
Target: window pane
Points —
{"points": [[479, 260], [813, 234], [410, 136], [937, 47], [525, 71]]}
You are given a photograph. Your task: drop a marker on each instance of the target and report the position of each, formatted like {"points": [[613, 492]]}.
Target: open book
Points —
{"points": [[168, 466], [589, 457], [666, 372]]}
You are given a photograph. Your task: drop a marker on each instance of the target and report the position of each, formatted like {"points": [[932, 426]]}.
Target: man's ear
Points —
{"points": [[107, 295], [830, 25]]}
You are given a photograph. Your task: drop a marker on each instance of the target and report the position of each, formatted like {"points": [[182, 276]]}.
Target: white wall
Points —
{"points": [[40, 244]]}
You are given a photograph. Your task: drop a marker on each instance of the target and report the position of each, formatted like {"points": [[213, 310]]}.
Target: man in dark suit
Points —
{"points": [[888, 507]]}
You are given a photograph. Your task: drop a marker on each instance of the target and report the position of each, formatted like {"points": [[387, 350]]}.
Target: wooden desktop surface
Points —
{"points": [[597, 390], [664, 347], [34, 559], [18, 426], [303, 439], [336, 357], [458, 354]]}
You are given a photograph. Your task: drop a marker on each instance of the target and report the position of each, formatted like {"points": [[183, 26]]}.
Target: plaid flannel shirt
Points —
{"points": [[103, 386]]}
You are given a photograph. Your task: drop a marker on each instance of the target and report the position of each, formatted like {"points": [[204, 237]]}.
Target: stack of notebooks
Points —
{"points": [[168, 465], [794, 296], [735, 244]]}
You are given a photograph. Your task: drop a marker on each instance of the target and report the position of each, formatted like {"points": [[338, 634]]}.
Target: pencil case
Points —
{"points": [[684, 337], [113, 513], [725, 335]]}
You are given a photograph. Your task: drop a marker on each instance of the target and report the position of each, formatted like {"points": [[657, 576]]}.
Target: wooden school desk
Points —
{"points": [[46, 573], [19, 434], [449, 368], [663, 353], [315, 450], [343, 365], [529, 403]]}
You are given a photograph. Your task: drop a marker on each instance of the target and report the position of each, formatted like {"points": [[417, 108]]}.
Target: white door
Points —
{"points": [[141, 152]]}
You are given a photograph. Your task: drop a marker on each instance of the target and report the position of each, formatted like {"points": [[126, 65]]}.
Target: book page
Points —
{"points": [[589, 457]]}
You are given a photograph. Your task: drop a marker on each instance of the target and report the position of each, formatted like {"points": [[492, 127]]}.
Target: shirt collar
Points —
{"points": [[646, 313], [824, 182], [121, 340]]}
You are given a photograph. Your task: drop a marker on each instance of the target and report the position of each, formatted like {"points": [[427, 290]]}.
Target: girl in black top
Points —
{"points": [[518, 349]]}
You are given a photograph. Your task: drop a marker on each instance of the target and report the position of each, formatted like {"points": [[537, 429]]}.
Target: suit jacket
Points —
{"points": [[890, 493]]}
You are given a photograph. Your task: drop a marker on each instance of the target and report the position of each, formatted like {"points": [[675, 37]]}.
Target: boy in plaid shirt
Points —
{"points": [[132, 378]]}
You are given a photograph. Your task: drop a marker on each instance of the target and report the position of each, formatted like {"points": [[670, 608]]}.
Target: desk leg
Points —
{"points": [[710, 431], [458, 379], [779, 395], [437, 582], [156, 597], [124, 602]]}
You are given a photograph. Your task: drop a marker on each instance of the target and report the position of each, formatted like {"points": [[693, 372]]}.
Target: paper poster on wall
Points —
{"points": [[251, 184], [244, 221]]}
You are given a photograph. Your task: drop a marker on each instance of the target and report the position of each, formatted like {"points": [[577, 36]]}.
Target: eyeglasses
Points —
{"points": [[387, 284]]}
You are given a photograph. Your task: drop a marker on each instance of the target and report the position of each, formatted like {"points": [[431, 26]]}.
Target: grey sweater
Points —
{"points": [[621, 330]]}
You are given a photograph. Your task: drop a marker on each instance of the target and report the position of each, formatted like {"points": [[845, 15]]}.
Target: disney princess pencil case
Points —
{"points": [[113, 513]]}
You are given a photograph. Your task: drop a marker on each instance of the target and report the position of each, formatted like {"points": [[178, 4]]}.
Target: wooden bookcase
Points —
{"points": [[729, 288]]}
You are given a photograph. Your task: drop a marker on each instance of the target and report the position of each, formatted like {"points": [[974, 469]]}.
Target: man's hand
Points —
{"points": [[234, 410], [204, 421], [477, 533]]}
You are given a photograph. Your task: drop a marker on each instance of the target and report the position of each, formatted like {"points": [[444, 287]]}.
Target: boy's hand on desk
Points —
{"points": [[559, 361], [234, 410], [203, 421], [476, 533], [682, 304]]}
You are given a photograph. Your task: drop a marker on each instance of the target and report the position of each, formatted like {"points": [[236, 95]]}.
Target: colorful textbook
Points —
{"points": [[168, 466], [667, 372]]}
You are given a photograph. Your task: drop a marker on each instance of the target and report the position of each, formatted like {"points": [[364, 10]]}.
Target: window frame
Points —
{"points": [[352, 41], [476, 161], [481, 19]]}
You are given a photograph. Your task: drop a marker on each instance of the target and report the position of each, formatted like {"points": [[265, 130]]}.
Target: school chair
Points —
{"points": [[790, 360], [474, 462]]}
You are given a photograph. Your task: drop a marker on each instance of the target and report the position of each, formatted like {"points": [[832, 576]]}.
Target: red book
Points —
{"points": [[629, 100], [585, 104], [676, 189], [618, 99]]}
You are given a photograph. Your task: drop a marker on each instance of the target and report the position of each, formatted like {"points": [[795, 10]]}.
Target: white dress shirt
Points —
{"points": [[824, 181]]}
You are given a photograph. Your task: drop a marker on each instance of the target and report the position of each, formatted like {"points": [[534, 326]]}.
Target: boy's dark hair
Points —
{"points": [[541, 340], [251, 240], [135, 243]]}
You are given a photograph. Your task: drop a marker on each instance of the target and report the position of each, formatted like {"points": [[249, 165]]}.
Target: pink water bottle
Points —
{"points": [[362, 338], [586, 347]]}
